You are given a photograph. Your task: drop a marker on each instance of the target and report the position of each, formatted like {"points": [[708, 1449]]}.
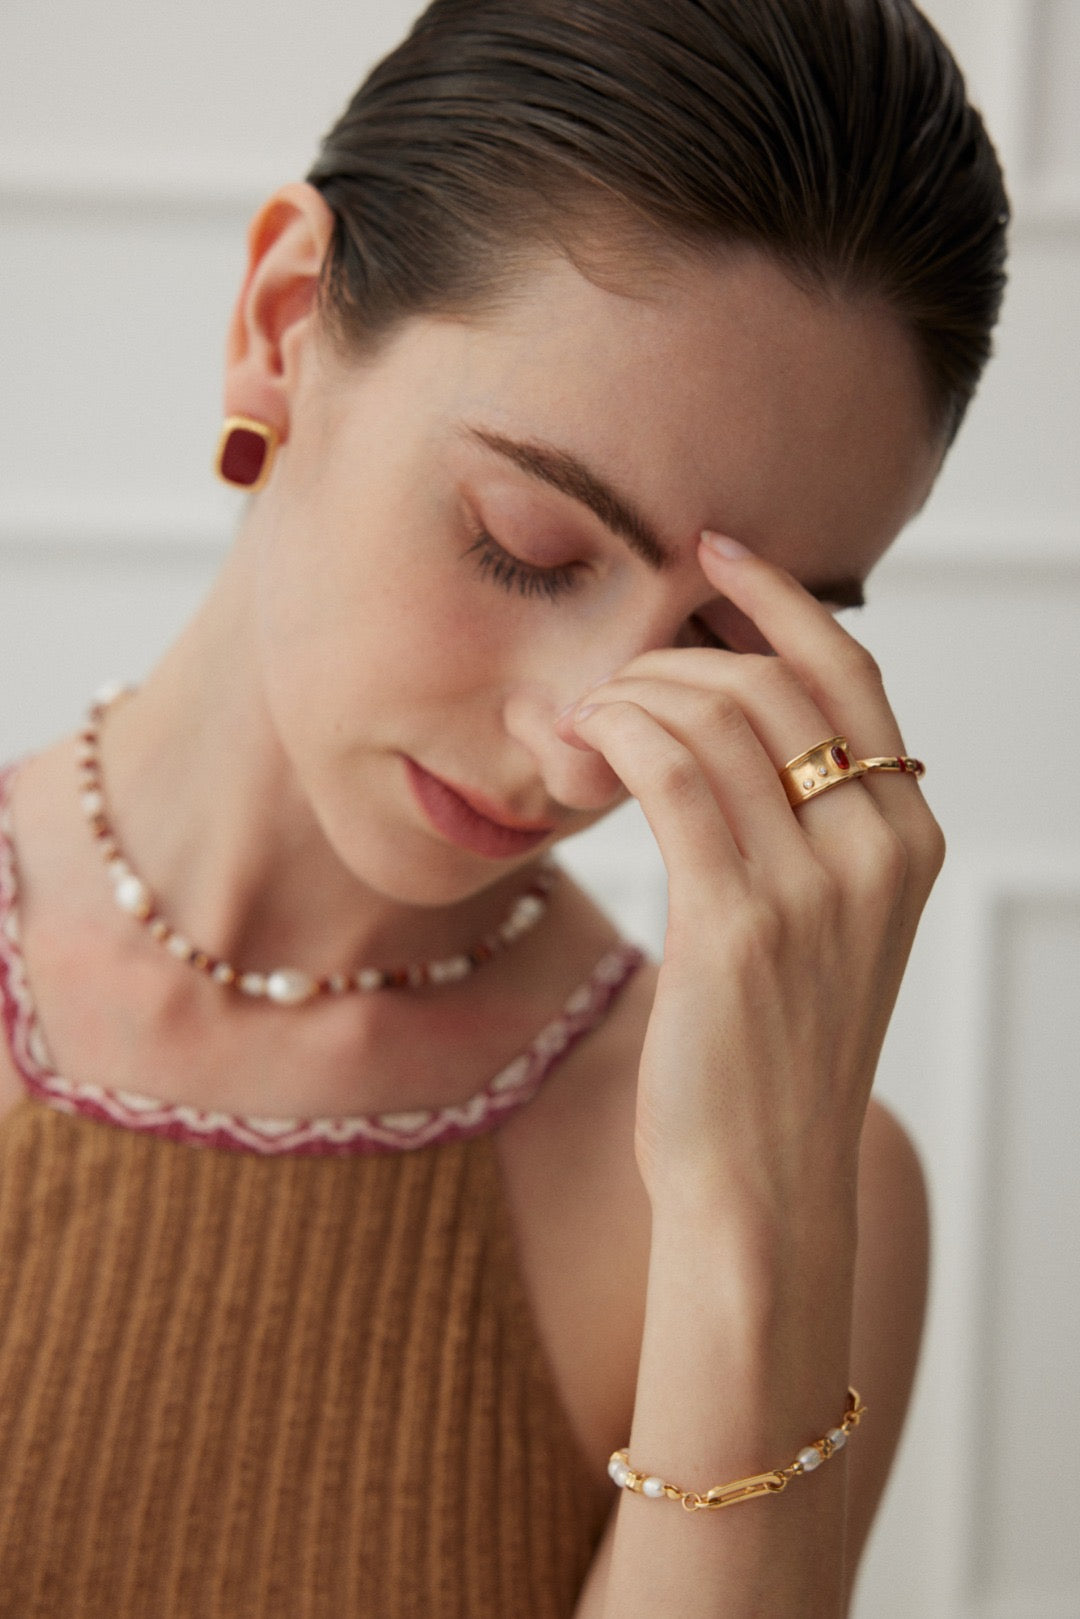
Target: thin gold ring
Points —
{"points": [[898, 762]]}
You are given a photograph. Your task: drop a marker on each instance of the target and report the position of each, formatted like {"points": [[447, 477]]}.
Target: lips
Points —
{"points": [[471, 821], [492, 812]]}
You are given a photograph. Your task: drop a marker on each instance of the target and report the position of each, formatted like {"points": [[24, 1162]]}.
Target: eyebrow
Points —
{"points": [[566, 473]]}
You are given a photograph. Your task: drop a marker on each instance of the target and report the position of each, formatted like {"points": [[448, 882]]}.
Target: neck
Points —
{"points": [[208, 810]]}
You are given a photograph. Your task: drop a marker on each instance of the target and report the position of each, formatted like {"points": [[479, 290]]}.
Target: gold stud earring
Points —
{"points": [[245, 452]]}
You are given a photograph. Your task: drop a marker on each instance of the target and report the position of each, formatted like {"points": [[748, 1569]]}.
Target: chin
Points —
{"points": [[408, 866]]}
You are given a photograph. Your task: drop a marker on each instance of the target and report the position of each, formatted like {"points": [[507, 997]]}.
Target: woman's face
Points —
{"points": [[462, 537]]}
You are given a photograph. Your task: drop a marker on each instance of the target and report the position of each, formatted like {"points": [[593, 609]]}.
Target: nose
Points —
{"points": [[575, 776]]}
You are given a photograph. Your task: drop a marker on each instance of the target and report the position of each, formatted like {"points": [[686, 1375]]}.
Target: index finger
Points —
{"points": [[835, 668]]}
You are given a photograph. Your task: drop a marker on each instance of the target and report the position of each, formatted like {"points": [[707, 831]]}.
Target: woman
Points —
{"points": [[361, 1192]]}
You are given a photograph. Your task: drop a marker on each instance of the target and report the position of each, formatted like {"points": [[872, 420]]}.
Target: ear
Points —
{"points": [[275, 312]]}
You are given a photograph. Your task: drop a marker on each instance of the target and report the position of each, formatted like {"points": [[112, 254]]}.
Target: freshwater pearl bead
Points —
{"points": [[837, 1438], [288, 986], [621, 1475], [133, 896], [809, 1458], [653, 1487]]}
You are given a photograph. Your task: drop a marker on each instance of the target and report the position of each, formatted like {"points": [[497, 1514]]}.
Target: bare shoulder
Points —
{"points": [[891, 1280]]}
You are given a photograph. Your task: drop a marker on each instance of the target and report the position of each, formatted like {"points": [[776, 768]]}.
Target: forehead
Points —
{"points": [[721, 395]]}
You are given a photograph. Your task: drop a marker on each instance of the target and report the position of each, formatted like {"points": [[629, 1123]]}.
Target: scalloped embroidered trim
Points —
{"points": [[513, 1086]]}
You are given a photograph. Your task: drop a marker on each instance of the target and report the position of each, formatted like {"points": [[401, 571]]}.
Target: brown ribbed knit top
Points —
{"points": [[263, 1368]]}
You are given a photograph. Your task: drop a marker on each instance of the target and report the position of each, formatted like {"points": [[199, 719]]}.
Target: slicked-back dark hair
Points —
{"points": [[834, 135]]}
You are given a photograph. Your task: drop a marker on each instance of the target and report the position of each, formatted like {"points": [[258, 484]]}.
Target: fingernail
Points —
{"points": [[596, 684], [725, 546], [590, 708]]}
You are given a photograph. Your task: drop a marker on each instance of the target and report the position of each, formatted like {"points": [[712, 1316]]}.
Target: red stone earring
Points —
{"points": [[245, 452]]}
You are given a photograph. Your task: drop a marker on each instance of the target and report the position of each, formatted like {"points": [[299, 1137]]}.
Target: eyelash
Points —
{"points": [[492, 562]]}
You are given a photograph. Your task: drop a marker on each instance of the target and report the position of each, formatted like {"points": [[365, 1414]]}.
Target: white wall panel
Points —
{"points": [[132, 88], [992, 40], [1023, 1539], [1053, 124], [73, 617], [113, 396], [1014, 468]]}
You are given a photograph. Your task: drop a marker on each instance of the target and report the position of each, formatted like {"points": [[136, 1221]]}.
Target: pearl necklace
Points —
{"points": [[288, 986]]}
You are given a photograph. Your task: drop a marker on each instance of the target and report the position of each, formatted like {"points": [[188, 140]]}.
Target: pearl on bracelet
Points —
{"points": [[743, 1489]]}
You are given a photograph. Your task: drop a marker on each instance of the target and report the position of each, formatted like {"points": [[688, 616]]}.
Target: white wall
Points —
{"points": [[135, 138]]}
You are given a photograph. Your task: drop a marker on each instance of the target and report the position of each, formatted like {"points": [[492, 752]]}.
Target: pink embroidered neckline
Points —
{"points": [[513, 1086]]}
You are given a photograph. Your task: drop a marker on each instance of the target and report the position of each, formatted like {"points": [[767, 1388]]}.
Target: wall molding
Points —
{"points": [[158, 531], [111, 183]]}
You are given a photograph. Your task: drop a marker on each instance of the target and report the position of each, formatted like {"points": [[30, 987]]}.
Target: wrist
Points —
{"points": [[776, 1299], [761, 1238]]}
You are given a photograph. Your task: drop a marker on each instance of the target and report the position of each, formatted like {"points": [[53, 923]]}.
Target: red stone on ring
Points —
{"points": [[841, 758], [243, 457]]}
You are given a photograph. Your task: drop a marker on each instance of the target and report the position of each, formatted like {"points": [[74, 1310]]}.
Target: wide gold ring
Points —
{"points": [[819, 768], [900, 762]]}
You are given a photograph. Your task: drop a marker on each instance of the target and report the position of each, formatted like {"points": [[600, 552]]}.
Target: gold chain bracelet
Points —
{"points": [[743, 1489]]}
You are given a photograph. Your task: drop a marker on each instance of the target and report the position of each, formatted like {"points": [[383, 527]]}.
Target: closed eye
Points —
{"points": [[492, 562]]}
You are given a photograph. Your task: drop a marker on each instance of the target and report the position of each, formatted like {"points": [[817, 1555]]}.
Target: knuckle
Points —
{"points": [[930, 850], [676, 774], [859, 665], [772, 673], [893, 860], [722, 713], [883, 862]]}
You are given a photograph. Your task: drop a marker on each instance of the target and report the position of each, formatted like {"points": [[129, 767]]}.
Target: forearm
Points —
{"points": [[744, 1361]]}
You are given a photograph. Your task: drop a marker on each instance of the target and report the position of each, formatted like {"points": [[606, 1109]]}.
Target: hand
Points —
{"points": [[788, 930]]}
